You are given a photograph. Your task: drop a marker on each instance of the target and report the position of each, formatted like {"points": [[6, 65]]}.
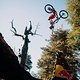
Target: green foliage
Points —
{"points": [[57, 43], [73, 37], [62, 41], [45, 65], [28, 65], [73, 8]]}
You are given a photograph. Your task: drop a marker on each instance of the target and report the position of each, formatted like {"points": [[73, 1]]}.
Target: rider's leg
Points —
{"points": [[52, 24], [51, 27]]}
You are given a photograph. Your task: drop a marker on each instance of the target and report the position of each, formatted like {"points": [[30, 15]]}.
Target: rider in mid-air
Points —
{"points": [[51, 17], [50, 9]]}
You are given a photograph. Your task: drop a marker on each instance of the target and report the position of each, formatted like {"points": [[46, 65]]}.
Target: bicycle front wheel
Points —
{"points": [[63, 14], [49, 8]]}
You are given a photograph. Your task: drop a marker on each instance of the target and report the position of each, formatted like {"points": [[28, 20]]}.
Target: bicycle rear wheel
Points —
{"points": [[63, 14]]}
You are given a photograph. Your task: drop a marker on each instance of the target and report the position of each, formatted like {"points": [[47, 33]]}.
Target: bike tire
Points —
{"points": [[47, 7], [63, 14]]}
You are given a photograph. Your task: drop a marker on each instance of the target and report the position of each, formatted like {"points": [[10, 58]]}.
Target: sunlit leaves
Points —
{"points": [[73, 8], [73, 38], [46, 63]]}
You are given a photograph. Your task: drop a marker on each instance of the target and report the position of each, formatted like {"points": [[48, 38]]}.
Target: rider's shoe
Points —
{"points": [[51, 27]]}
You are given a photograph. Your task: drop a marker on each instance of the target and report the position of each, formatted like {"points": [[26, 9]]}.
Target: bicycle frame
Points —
{"points": [[50, 9]]}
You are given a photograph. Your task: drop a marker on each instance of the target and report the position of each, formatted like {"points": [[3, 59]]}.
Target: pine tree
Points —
{"points": [[63, 41], [28, 65], [73, 38], [57, 44]]}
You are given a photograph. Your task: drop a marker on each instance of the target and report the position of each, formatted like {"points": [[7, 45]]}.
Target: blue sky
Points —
{"points": [[22, 11]]}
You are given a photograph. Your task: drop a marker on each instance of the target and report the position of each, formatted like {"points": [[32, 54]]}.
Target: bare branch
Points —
{"points": [[37, 27], [13, 27], [15, 31], [35, 32]]}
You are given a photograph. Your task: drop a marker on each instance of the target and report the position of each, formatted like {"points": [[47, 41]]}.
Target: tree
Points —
{"points": [[73, 38], [28, 64], [57, 44], [27, 32]]}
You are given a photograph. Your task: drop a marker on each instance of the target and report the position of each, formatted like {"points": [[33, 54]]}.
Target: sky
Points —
{"points": [[23, 11]]}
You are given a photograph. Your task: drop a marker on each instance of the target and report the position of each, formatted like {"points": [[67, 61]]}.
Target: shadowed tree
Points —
{"points": [[28, 64], [25, 45]]}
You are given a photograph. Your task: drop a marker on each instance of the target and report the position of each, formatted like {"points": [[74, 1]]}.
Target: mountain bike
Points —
{"points": [[62, 14]]}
